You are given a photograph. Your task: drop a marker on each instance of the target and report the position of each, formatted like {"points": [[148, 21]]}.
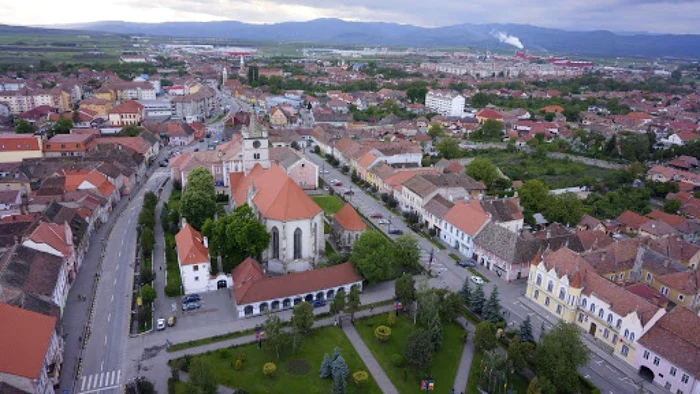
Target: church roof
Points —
{"points": [[277, 196]]}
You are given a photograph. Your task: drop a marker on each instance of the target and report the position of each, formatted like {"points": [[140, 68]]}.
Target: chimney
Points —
{"points": [[666, 261], [183, 222], [205, 241], [549, 234]]}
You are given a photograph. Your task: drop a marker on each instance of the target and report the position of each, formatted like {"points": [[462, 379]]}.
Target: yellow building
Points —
{"points": [[99, 105], [681, 288], [107, 94], [568, 287], [278, 117]]}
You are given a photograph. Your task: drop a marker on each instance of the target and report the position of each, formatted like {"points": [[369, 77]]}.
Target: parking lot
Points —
{"points": [[217, 308]]}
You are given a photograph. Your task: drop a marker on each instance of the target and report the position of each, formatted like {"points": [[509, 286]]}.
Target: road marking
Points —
{"points": [[109, 388], [101, 379], [105, 339], [120, 252], [82, 384], [119, 372], [112, 300], [102, 366], [109, 317], [89, 381]]}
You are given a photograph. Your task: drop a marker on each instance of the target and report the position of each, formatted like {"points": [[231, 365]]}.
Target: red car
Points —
{"points": [[338, 184], [376, 216]]}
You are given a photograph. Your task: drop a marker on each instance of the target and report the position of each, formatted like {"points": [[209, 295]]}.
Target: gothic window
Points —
{"points": [[275, 243], [297, 243]]}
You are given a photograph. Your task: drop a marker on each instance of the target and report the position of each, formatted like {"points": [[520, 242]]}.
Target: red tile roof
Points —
{"points": [[128, 107], [350, 219], [632, 220], [24, 340], [677, 339], [469, 217], [18, 142], [489, 114], [250, 285], [190, 246], [621, 301], [53, 235]]}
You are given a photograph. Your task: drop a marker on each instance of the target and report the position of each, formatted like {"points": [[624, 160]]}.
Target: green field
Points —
{"points": [[445, 361], [329, 204], [314, 345]]}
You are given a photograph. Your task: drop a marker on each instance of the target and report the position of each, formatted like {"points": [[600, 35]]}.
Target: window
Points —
{"points": [[550, 286], [562, 293], [685, 378], [625, 350], [539, 280], [195, 268], [621, 276], [256, 156], [580, 317], [601, 313], [592, 308], [610, 319], [619, 323], [275, 243], [679, 391], [297, 243], [681, 297], [664, 290], [196, 278], [546, 301], [646, 354], [656, 360], [558, 309], [648, 276], [632, 337], [584, 302], [673, 371], [612, 277], [537, 294], [606, 333], [667, 386], [614, 341], [627, 333]]}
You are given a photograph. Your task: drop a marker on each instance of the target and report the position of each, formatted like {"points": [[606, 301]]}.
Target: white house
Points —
{"points": [[462, 223], [194, 261], [255, 293], [445, 102]]}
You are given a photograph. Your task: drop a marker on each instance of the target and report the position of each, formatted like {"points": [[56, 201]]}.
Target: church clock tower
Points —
{"points": [[255, 145]]}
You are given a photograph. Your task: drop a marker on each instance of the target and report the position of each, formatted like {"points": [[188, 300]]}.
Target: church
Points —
{"points": [[293, 219]]}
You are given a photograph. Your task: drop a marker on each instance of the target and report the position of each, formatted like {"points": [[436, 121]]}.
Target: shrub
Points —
{"points": [[238, 364], [172, 290], [223, 353], [360, 377], [511, 333], [382, 333], [391, 319], [397, 360], [269, 369], [595, 391], [241, 357]]}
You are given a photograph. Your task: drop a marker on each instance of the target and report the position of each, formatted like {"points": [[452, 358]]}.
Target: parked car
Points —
{"points": [[171, 321], [395, 231], [376, 216], [338, 184], [382, 221], [466, 263], [191, 298], [324, 171], [160, 324], [318, 303], [334, 181], [196, 149], [349, 192], [477, 280], [190, 306]]}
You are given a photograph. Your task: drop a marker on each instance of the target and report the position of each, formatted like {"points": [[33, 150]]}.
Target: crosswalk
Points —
{"points": [[100, 381]]}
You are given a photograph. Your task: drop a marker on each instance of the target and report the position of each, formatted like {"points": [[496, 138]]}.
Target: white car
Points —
{"points": [[160, 325], [325, 171], [382, 221], [334, 181], [477, 280]]}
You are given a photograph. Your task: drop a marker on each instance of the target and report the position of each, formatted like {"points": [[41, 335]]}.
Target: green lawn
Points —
{"points": [[315, 344], [445, 361], [329, 204], [517, 382]]}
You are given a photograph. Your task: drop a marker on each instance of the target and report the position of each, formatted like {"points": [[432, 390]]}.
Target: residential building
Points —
{"points": [[302, 170], [462, 222], [418, 190], [505, 212], [74, 144], [57, 240], [488, 114], [507, 253], [669, 352], [32, 351], [17, 147], [99, 106], [194, 261], [445, 102], [195, 106], [346, 228], [127, 114], [255, 294]]}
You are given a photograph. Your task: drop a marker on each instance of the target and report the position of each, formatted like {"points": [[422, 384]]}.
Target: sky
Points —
{"points": [[658, 16]]}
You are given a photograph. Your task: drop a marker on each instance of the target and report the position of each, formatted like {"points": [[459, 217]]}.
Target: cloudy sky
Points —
{"points": [[672, 16]]}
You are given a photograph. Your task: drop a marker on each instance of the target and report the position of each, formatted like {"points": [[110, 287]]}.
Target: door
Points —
{"points": [[593, 329]]}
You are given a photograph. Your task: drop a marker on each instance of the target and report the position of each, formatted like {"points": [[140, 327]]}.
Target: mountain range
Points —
{"points": [[339, 32]]}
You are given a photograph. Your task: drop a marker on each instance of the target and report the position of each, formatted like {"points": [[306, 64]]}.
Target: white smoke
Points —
{"points": [[506, 39]]}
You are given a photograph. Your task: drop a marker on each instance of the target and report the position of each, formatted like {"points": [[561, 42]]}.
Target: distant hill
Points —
{"points": [[336, 31]]}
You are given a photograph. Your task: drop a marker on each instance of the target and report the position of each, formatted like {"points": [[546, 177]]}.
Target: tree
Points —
{"points": [[418, 350], [150, 200], [519, 353], [201, 179], [485, 336], [533, 387], [478, 300], [339, 385], [416, 94], [24, 127], [148, 294], [62, 126], [338, 302], [146, 219], [339, 367], [325, 371], [405, 289], [406, 252], [277, 339], [75, 118], [391, 318], [559, 355], [201, 379], [435, 130], [448, 148], [372, 255], [466, 292], [525, 331], [428, 307], [198, 202], [451, 307], [147, 241], [353, 302], [131, 131], [482, 170], [534, 195], [302, 317], [672, 206], [564, 208], [435, 331], [676, 75], [491, 130]]}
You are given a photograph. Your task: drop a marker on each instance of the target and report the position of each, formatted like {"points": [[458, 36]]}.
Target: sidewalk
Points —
{"points": [[465, 362], [622, 367], [161, 305], [371, 363]]}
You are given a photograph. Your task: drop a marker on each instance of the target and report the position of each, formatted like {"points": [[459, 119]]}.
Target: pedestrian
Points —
{"points": [[371, 308], [161, 268]]}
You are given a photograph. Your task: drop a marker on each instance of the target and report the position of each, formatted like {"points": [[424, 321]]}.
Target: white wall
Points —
{"points": [[195, 281]]}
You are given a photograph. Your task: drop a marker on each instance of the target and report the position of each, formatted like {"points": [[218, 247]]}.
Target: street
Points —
{"points": [[605, 375]]}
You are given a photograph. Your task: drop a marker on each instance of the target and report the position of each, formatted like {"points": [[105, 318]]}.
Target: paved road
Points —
{"points": [[104, 355], [605, 371]]}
